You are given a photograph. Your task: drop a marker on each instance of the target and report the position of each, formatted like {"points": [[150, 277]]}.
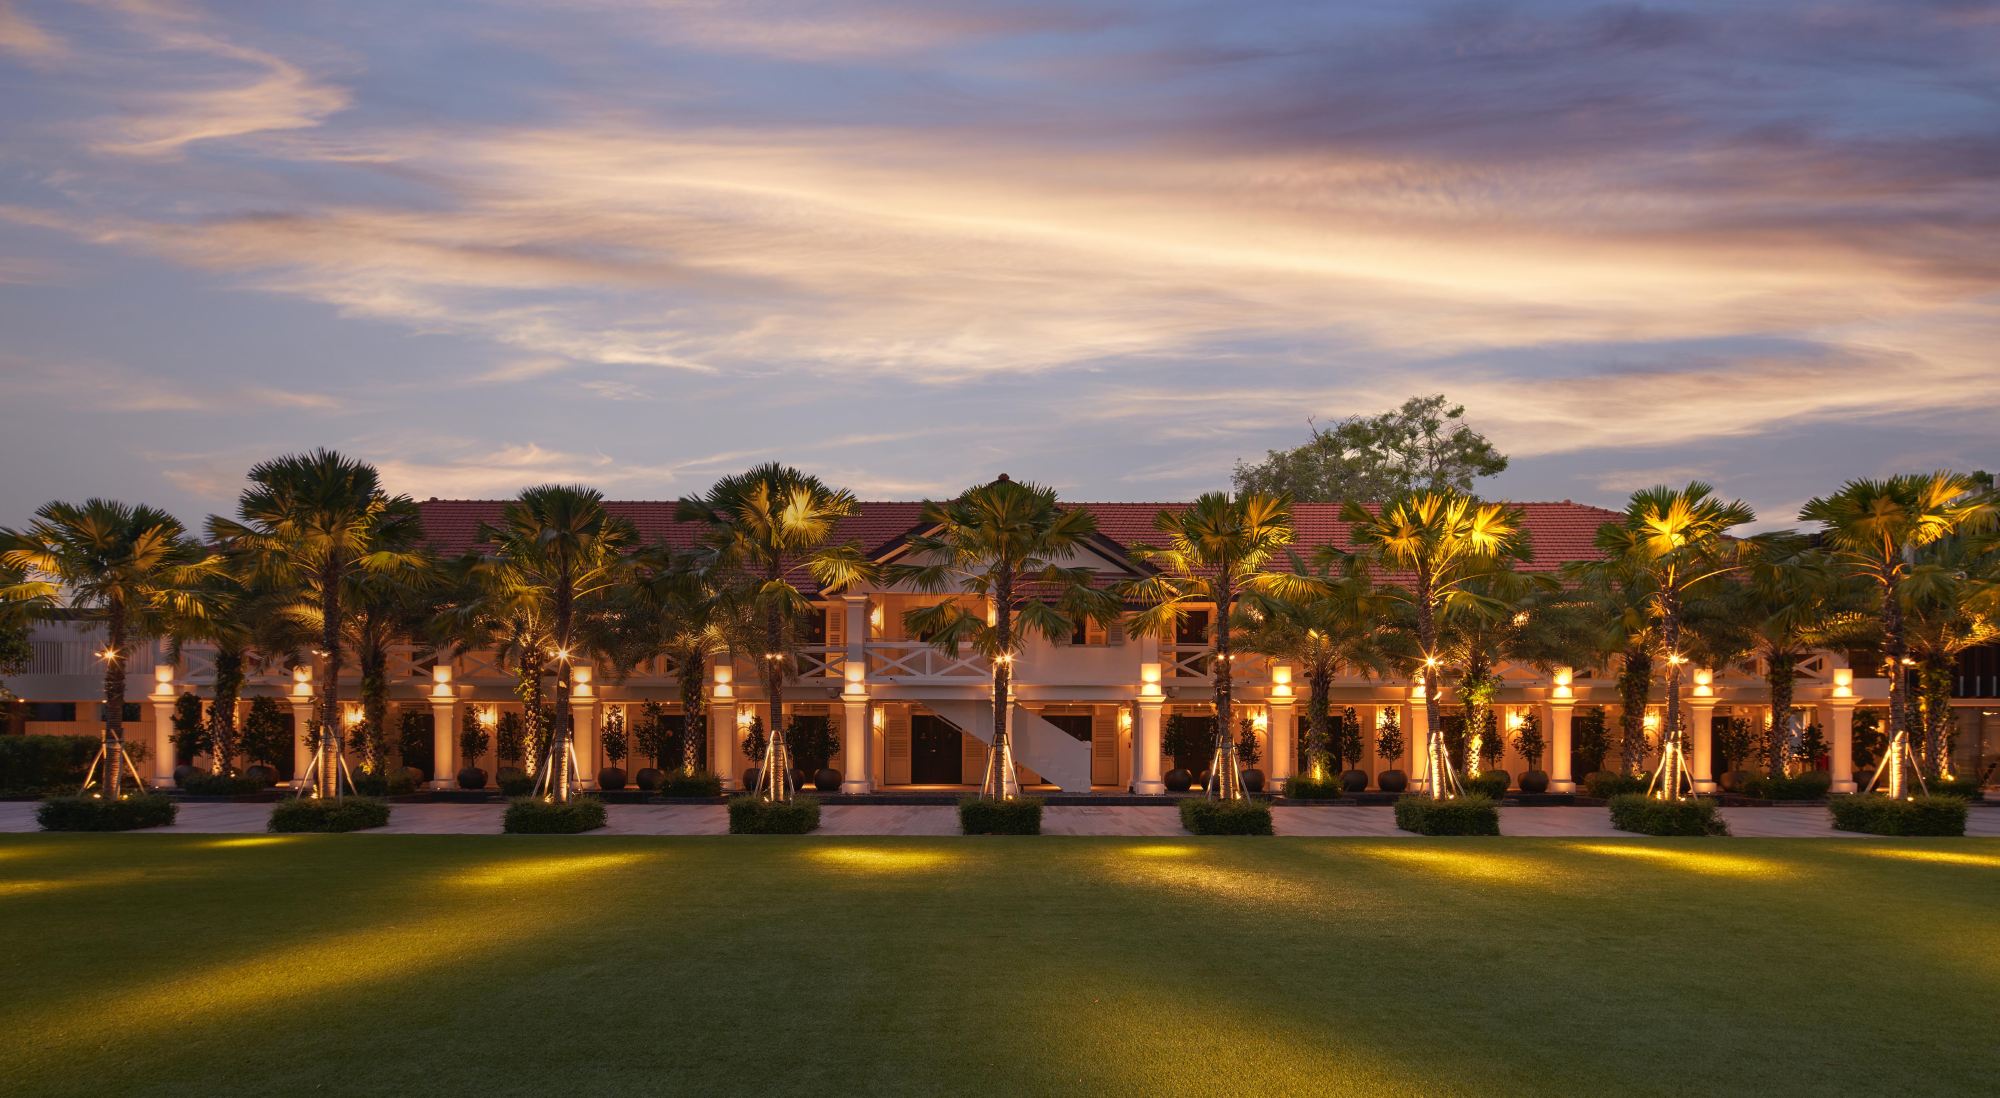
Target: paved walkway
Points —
{"points": [[1370, 821]]}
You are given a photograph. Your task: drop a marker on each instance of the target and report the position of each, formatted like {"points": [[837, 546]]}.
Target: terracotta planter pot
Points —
{"points": [[1392, 781], [648, 778], [1353, 781], [826, 779], [611, 777], [1253, 780], [472, 778], [1179, 781], [267, 775], [750, 775], [1535, 781]]}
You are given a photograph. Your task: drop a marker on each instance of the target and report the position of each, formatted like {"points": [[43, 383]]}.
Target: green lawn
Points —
{"points": [[553, 966]]}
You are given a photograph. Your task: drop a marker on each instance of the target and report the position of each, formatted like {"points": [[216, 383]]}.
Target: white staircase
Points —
{"points": [[1062, 760]]}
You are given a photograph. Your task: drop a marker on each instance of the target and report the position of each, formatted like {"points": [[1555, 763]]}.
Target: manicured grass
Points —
{"points": [[518, 965]]}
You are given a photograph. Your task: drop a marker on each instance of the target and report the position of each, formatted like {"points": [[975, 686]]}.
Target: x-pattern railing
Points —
{"points": [[917, 660]]}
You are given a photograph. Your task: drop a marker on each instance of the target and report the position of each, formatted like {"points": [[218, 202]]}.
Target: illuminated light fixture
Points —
{"points": [[1651, 721], [488, 717], [744, 717], [1704, 683], [1521, 618], [352, 716], [875, 618], [1260, 721], [724, 677], [1843, 682], [1124, 719], [441, 681], [107, 654], [1149, 680], [1562, 680], [1676, 658], [1515, 720], [302, 678], [878, 719]]}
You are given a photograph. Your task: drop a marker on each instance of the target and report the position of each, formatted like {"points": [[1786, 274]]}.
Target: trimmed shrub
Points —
{"points": [[299, 814], [203, 784], [756, 816], [1604, 784], [1875, 814], [1468, 815], [45, 764], [1492, 785], [986, 816], [678, 784], [1643, 815], [1304, 787], [515, 783], [1809, 786], [391, 783], [1205, 817], [534, 816], [1954, 787], [96, 814]]}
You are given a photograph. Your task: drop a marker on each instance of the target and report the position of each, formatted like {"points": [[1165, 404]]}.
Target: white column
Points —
{"points": [[856, 733], [163, 736], [1146, 747], [1283, 719], [1836, 715], [444, 742], [723, 743], [1417, 740], [585, 722], [302, 718], [1557, 716], [1701, 742], [856, 634]]}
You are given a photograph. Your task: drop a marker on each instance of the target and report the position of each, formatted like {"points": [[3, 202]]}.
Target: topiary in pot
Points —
{"points": [[1392, 781], [1179, 780], [414, 776], [1535, 781], [826, 779], [1353, 781], [648, 778], [472, 778], [183, 772], [261, 774], [1735, 781], [750, 776], [611, 777], [1253, 780], [798, 778]]}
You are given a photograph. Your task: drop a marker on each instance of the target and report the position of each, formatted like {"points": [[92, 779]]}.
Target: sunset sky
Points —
{"points": [[1111, 246]]}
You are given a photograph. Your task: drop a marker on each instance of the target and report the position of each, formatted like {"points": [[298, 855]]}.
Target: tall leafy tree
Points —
{"points": [[1875, 529], [1442, 544], [308, 522], [1678, 539], [131, 567], [557, 547], [768, 532], [1422, 445], [1003, 543], [1216, 552]]}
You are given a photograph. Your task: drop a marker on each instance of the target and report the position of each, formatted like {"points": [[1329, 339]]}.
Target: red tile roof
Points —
{"points": [[1561, 531]]}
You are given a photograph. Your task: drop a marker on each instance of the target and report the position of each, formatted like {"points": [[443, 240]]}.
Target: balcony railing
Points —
{"points": [[917, 660]]}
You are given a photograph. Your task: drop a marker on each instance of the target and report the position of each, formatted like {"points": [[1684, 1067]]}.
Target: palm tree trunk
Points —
{"points": [[1319, 691], [1436, 760], [996, 783], [693, 713], [777, 775], [374, 708], [560, 778], [327, 783], [1227, 782], [530, 689], [114, 700], [1781, 672], [222, 711], [1895, 648]]}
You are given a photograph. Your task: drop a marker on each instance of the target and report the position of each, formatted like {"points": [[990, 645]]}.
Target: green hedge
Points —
{"points": [[95, 814], [1490, 785], [515, 783], [1303, 787], [298, 814], [755, 816], [203, 784], [1878, 815], [395, 783], [1471, 814], [534, 816], [1604, 785], [45, 764], [1205, 817], [1643, 815], [1809, 786], [1954, 787], [677, 784], [986, 816]]}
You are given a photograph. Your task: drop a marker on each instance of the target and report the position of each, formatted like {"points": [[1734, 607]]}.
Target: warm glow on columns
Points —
{"points": [[856, 679], [1843, 682], [723, 676], [163, 679], [441, 681], [580, 677], [302, 681], [1149, 680], [1704, 683], [1281, 680], [1562, 688]]}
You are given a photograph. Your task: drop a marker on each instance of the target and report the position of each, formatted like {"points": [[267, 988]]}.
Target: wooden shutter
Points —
{"points": [[1104, 745], [836, 638], [1094, 633], [974, 759], [896, 745], [1115, 634]]}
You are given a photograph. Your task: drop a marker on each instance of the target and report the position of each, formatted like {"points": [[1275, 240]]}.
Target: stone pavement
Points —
{"points": [[1370, 821]]}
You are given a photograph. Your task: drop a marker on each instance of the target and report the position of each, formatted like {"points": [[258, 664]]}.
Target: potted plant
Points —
{"points": [[1176, 742], [1248, 750], [753, 750], [617, 745], [509, 743], [190, 736], [1591, 740], [817, 747], [653, 739], [1347, 750], [1389, 748], [473, 742], [1529, 743], [267, 739]]}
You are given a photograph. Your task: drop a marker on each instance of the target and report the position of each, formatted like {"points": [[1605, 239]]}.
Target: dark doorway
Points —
{"points": [[937, 751], [1076, 724], [1197, 748]]}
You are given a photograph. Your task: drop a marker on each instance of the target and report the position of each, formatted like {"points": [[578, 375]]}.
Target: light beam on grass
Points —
{"points": [[560, 867], [1939, 857], [1695, 861], [877, 860]]}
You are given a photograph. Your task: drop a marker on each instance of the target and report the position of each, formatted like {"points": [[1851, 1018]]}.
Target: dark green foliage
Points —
{"points": [[267, 734], [204, 784], [533, 816], [617, 741], [1604, 784], [317, 814], [415, 745], [654, 737], [1389, 737], [514, 782], [677, 784], [1467, 815], [1953, 787], [1491, 784], [1879, 815], [986, 816], [1205, 817], [1247, 750], [756, 816], [1809, 786], [1304, 787], [474, 740], [190, 735], [813, 742], [1423, 444], [1528, 740], [754, 740], [45, 764], [1181, 738], [1590, 736], [394, 783], [95, 814], [1643, 815], [510, 738]]}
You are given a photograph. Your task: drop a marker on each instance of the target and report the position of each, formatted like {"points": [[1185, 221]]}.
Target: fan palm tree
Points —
{"points": [[482, 609], [670, 609], [767, 532], [1001, 543], [1875, 529], [307, 522], [1951, 603], [1218, 550], [1344, 626], [132, 567], [557, 547], [1445, 542], [1678, 540], [1507, 614], [245, 616]]}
